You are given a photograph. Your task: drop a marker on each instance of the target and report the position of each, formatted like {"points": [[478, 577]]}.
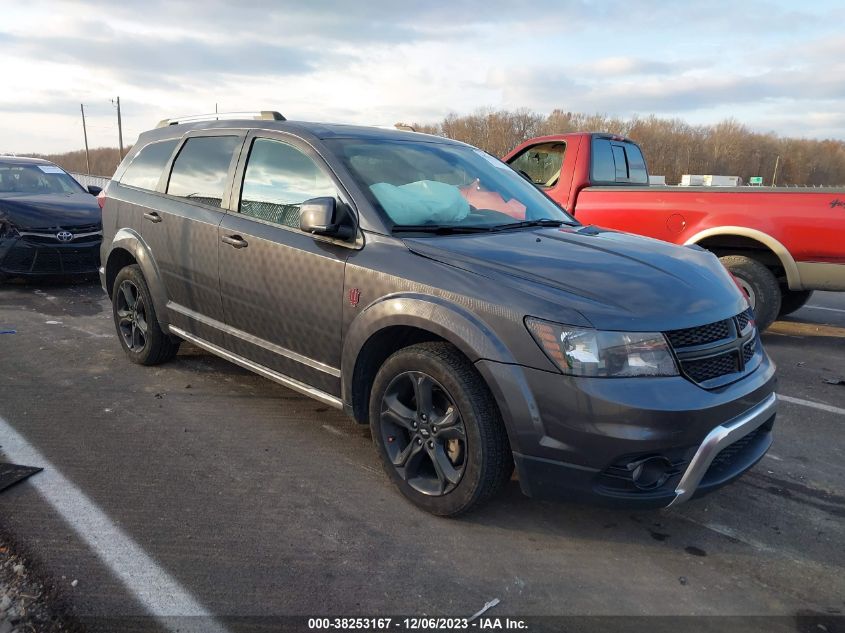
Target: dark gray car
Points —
{"points": [[428, 290]]}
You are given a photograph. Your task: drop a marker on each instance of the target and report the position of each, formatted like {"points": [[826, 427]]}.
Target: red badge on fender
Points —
{"points": [[354, 296]]}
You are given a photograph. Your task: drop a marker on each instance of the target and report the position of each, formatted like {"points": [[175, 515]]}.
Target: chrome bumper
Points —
{"points": [[720, 437]]}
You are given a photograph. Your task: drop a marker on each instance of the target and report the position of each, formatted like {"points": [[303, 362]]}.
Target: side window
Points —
{"points": [[541, 163], [636, 165], [200, 170], [145, 169], [604, 167], [278, 179]]}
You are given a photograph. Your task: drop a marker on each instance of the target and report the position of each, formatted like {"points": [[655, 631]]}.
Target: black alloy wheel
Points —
{"points": [[132, 316], [423, 433], [136, 322]]}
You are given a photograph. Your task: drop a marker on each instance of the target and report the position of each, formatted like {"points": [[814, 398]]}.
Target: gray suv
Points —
{"points": [[430, 291]]}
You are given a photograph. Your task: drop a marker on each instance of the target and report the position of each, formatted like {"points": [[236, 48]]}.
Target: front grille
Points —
{"points": [[736, 458], [25, 259], [716, 353], [704, 369], [743, 318], [700, 335], [749, 349], [48, 235]]}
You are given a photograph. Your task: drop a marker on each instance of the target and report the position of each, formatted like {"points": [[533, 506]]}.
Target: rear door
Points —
{"points": [[182, 229], [282, 289]]}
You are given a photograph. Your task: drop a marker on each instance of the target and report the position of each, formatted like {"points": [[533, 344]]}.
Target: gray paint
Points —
{"points": [[281, 306]]}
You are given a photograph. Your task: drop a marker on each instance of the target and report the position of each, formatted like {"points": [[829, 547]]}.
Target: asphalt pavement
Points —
{"points": [[198, 488]]}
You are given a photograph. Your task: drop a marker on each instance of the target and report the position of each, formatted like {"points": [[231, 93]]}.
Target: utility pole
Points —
{"points": [[119, 127], [775, 174], [85, 134]]}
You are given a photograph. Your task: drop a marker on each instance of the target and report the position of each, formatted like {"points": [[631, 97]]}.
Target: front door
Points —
{"points": [[281, 288]]}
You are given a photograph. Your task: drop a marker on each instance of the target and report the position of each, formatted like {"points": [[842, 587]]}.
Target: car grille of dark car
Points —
{"points": [[699, 335], [715, 354], [48, 235], [738, 456], [25, 259]]}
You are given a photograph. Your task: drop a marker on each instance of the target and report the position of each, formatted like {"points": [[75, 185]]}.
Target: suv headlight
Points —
{"points": [[587, 352]]}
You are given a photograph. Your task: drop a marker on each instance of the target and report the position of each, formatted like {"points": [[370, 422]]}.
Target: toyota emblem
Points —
{"points": [[64, 236]]}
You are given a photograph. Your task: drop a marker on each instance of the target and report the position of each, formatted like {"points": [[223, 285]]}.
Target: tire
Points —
{"points": [[135, 320], [760, 285], [793, 300], [471, 436]]}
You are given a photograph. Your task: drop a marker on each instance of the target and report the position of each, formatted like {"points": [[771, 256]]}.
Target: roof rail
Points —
{"points": [[264, 115]]}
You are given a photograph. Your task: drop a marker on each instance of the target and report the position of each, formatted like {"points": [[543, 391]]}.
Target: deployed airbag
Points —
{"points": [[422, 202]]}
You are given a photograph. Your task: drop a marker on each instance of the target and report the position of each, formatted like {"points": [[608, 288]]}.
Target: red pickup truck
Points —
{"points": [[780, 243]]}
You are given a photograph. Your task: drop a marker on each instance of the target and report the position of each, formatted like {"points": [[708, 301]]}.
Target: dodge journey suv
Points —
{"points": [[430, 291]]}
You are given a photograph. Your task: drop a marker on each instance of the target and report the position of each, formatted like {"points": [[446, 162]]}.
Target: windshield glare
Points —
{"points": [[438, 184], [36, 179]]}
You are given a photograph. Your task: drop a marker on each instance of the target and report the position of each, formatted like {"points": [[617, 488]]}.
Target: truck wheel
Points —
{"points": [[438, 430], [793, 300], [135, 319], [759, 285]]}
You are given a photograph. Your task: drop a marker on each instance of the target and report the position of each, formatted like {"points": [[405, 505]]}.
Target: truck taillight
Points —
{"points": [[101, 199]]}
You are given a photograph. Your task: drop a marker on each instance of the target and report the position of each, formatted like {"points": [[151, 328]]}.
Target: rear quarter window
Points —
{"points": [[617, 162], [145, 169]]}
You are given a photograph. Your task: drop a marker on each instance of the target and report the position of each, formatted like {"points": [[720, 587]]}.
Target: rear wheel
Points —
{"points": [[135, 320], [760, 286], [438, 430], [793, 300]]}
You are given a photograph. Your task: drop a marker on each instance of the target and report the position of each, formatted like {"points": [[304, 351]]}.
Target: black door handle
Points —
{"points": [[235, 240], [152, 216]]}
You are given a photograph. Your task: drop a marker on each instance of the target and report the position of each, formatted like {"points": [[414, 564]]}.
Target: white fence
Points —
{"points": [[85, 180]]}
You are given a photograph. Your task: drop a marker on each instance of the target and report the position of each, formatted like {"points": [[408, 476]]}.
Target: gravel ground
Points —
{"points": [[26, 604]]}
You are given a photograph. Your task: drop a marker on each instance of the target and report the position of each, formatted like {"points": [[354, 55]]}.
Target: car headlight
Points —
{"points": [[587, 352]]}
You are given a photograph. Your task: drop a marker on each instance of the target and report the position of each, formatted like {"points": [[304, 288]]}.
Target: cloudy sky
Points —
{"points": [[776, 66]]}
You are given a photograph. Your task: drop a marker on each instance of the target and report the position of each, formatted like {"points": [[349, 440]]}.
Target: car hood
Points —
{"points": [[617, 281], [49, 211]]}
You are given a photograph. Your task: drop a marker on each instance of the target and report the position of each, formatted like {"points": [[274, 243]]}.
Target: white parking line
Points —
{"points": [[828, 309], [810, 403], [151, 586]]}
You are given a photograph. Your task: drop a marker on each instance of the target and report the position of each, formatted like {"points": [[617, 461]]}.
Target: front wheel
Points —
{"points": [[760, 286], [793, 300], [135, 320], [438, 430]]}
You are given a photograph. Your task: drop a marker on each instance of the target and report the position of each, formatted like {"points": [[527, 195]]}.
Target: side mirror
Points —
{"points": [[318, 217], [94, 190]]}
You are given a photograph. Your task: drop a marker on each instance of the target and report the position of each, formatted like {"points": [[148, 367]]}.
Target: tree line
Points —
{"points": [[672, 147], [103, 160]]}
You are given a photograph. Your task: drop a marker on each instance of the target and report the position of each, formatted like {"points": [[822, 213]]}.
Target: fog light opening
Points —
{"points": [[650, 473]]}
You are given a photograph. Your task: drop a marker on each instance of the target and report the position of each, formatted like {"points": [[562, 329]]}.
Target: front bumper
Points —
{"points": [[21, 257], [582, 439]]}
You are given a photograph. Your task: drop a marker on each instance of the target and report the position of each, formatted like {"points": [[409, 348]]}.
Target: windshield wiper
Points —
{"points": [[439, 229], [525, 223]]}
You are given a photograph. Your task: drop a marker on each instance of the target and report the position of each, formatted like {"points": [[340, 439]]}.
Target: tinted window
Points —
{"points": [[145, 169], [278, 179], [200, 169], [636, 165], [604, 167], [621, 163], [541, 163]]}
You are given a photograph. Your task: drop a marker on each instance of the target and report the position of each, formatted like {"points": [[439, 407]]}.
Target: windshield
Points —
{"points": [[422, 184], [36, 179]]}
